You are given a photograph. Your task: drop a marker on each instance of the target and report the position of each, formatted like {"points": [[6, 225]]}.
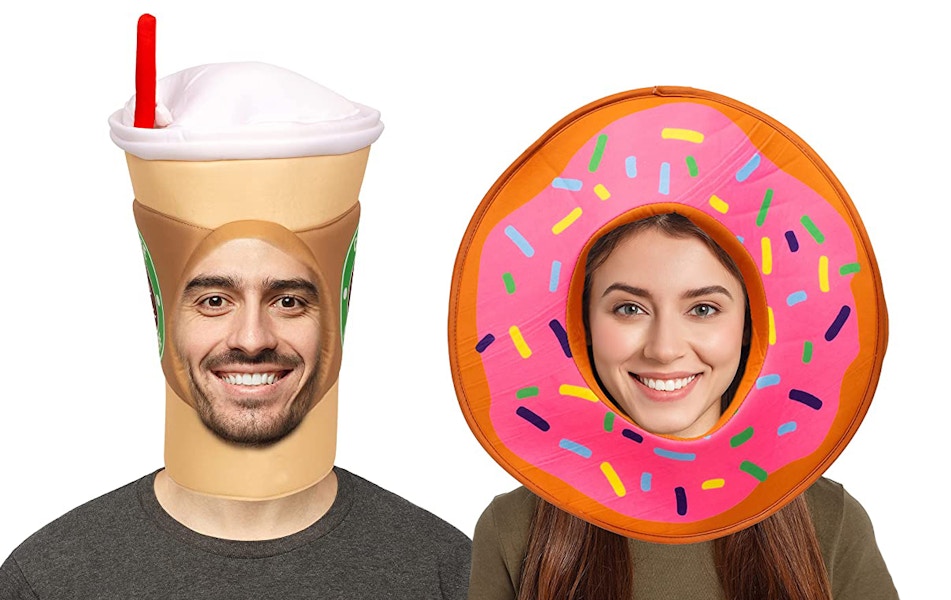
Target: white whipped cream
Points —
{"points": [[245, 110]]}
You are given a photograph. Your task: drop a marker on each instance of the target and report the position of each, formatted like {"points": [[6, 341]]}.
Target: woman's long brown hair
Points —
{"points": [[569, 559]]}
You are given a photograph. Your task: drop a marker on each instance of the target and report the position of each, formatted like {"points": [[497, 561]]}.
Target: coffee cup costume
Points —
{"points": [[248, 150], [518, 346]]}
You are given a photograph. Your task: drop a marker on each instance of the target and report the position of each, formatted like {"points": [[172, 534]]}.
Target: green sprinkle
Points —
{"points": [[764, 207], [812, 229], [692, 166], [848, 269], [609, 421], [741, 438], [598, 152], [754, 470], [806, 352], [526, 392], [509, 283]]}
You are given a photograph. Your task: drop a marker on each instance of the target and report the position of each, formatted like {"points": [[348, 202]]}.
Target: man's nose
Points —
{"points": [[253, 330], [665, 341]]}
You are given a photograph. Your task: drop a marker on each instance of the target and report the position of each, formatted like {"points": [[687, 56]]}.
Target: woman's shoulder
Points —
{"points": [[509, 513]]}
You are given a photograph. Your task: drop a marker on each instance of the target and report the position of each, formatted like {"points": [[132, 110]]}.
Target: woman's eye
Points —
{"points": [[703, 310], [627, 310]]}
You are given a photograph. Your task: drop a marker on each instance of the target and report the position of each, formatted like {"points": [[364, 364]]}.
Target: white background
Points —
{"points": [[463, 90]]}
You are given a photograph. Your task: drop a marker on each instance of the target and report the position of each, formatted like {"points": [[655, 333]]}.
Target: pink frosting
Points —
{"points": [[660, 486]]}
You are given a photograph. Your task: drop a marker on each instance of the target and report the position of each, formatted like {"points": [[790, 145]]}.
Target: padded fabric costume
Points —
{"points": [[517, 341]]}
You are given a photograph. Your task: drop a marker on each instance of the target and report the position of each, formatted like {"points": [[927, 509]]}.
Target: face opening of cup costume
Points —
{"points": [[517, 338]]}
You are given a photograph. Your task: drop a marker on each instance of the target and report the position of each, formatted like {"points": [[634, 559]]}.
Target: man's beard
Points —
{"points": [[250, 430]]}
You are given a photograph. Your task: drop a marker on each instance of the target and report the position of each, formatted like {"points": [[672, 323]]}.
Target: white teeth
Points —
{"points": [[666, 385], [249, 378]]}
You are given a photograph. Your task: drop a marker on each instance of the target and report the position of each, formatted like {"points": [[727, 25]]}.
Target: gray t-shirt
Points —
{"points": [[370, 544]]}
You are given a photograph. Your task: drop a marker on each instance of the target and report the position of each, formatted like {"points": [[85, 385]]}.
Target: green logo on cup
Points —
{"points": [[346, 281], [156, 294]]}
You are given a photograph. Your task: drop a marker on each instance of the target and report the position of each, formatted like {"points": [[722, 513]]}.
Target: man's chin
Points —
{"points": [[253, 434]]}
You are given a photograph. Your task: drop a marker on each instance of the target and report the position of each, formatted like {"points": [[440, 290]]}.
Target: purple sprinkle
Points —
{"points": [[792, 241], [532, 418], [806, 398], [562, 336], [681, 500], [485, 343], [633, 435], [836, 326]]}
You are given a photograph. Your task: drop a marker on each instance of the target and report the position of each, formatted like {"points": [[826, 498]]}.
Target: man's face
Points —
{"points": [[248, 335]]}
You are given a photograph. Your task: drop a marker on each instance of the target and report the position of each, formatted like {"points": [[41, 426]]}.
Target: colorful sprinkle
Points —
{"points": [[532, 418], [664, 185], [805, 398], [630, 166], [520, 345], [747, 170], [692, 166], [566, 221], [613, 479], [796, 297], [555, 276], [753, 469], [836, 326], [767, 380], [683, 456], [712, 484], [517, 238], [484, 343], [767, 247], [806, 352], [792, 241], [812, 229], [562, 336], [602, 192], [719, 205], [681, 495], [741, 438], [824, 273], [687, 135], [609, 421], [527, 392], [764, 208], [582, 451], [509, 282], [772, 326], [598, 153], [572, 185], [646, 481], [849, 268], [577, 391], [787, 427], [632, 435]]}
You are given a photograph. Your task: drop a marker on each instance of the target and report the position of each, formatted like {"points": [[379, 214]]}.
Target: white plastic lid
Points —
{"points": [[245, 110]]}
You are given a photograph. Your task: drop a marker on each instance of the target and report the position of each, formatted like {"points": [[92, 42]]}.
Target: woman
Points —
{"points": [[668, 325]]}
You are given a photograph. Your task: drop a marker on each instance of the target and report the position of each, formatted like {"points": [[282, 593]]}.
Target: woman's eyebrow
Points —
{"points": [[630, 289], [707, 290]]}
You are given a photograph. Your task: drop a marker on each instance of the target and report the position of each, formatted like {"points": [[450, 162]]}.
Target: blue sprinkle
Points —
{"points": [[572, 185], [632, 435], [684, 456], [806, 398], [767, 380], [532, 418], [562, 336], [555, 276], [836, 326], [485, 343], [741, 238], [787, 427], [520, 241], [748, 168], [792, 241], [582, 451], [630, 166], [664, 187], [645, 482], [681, 495], [795, 298]]}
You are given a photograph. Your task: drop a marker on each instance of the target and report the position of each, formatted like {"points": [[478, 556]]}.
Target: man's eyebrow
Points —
{"points": [[297, 284], [203, 282]]}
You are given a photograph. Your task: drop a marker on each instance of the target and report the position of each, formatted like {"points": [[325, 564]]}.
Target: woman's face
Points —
{"points": [[666, 321]]}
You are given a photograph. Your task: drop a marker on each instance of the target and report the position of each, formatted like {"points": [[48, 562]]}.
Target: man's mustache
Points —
{"points": [[240, 357]]}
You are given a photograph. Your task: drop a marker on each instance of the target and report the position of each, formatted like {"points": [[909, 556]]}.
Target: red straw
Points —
{"points": [[145, 73]]}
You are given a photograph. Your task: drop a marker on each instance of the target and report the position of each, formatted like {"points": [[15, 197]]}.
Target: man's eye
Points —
{"points": [[213, 302], [290, 302]]}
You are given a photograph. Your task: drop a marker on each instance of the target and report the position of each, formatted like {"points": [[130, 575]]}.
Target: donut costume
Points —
{"points": [[517, 342]]}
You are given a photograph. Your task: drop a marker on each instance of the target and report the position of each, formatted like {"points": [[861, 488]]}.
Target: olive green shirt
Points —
{"points": [[686, 571]]}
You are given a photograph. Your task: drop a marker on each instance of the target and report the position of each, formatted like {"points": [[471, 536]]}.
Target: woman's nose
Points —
{"points": [[665, 341]]}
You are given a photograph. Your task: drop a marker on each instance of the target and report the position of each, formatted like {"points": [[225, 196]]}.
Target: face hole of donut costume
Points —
{"points": [[517, 340]]}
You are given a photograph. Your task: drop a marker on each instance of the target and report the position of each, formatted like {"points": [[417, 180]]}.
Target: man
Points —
{"points": [[246, 203]]}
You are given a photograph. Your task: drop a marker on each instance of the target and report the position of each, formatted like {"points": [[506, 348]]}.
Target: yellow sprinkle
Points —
{"points": [[712, 484], [772, 326], [602, 192], [719, 205], [824, 273], [519, 342], [568, 220], [577, 391], [613, 479], [687, 135], [767, 256]]}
